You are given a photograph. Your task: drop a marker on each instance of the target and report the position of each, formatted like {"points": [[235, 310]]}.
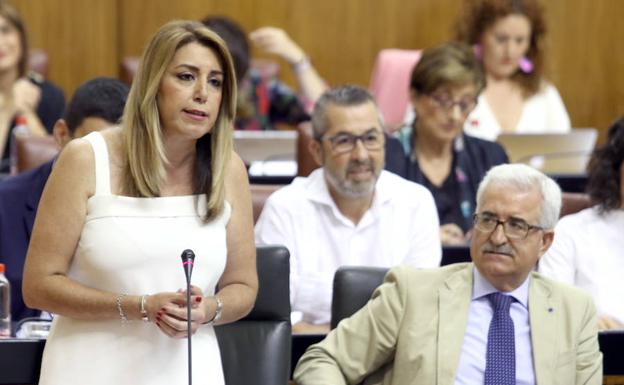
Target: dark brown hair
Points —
{"points": [[14, 18], [604, 170], [479, 15]]}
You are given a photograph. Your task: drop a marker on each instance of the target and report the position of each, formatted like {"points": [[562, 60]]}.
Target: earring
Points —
{"points": [[525, 65], [478, 51]]}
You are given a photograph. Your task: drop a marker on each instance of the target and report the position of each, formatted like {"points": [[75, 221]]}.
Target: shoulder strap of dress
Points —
{"points": [[102, 170]]}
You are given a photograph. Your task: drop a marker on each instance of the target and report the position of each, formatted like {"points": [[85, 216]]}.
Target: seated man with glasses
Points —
{"points": [[493, 321], [348, 212], [436, 153]]}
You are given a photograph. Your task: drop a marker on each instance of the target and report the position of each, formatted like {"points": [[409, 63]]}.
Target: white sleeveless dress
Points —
{"points": [[133, 245]]}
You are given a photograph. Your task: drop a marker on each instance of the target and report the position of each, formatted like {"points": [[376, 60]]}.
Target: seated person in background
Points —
{"points": [[264, 103], [436, 153], [22, 93], [492, 321], [588, 251], [507, 35], [96, 104], [348, 212]]}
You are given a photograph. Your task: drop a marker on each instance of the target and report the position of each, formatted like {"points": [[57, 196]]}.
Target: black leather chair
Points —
{"points": [[256, 349], [353, 287], [455, 254]]}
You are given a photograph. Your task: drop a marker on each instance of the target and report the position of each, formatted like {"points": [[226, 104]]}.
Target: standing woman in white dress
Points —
{"points": [[508, 38], [119, 208]]}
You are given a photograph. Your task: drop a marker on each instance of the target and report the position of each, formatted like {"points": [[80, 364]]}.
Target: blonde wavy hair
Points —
{"points": [[145, 171]]}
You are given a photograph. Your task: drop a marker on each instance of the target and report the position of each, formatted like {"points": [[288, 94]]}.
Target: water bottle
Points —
{"points": [[21, 126], [21, 129], [5, 305]]}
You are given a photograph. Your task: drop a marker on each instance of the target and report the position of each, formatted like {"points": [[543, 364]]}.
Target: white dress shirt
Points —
{"points": [[588, 252], [401, 227], [471, 369], [543, 112]]}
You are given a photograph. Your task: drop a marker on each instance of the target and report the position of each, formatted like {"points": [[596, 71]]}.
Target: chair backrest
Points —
{"points": [[256, 349], [32, 151], [128, 68], [574, 202], [259, 195], [305, 162], [353, 287], [455, 254], [390, 82]]}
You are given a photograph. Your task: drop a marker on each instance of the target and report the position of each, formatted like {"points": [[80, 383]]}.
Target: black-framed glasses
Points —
{"points": [[344, 142], [514, 228], [465, 105]]}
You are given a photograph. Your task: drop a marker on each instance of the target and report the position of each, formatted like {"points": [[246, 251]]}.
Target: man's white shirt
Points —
{"points": [[401, 227]]}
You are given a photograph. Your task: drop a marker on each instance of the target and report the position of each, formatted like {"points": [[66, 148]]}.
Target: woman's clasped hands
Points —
{"points": [[169, 311]]}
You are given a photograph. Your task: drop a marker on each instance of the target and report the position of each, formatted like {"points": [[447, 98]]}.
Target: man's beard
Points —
{"points": [[350, 188]]}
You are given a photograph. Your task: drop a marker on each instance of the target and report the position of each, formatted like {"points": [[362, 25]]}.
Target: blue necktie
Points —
{"points": [[500, 363]]}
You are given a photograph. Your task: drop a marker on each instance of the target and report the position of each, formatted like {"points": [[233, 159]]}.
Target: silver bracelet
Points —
{"points": [[218, 311], [122, 314], [302, 65], [142, 308]]}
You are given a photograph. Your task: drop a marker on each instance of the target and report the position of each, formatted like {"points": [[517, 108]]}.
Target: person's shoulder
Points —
{"points": [[48, 89], [584, 217], [546, 90], [432, 277], [51, 88], [78, 154], [482, 144], [547, 87], [403, 190], [237, 171], [22, 183], [568, 294], [293, 195], [486, 148]]}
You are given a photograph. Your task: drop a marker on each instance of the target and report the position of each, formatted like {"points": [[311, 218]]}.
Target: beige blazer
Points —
{"points": [[412, 331]]}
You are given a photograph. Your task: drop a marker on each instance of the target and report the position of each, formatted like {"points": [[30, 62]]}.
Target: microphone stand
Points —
{"points": [[188, 258]]}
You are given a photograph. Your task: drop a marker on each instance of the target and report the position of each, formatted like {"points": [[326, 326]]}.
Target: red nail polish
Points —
{"points": [[197, 299]]}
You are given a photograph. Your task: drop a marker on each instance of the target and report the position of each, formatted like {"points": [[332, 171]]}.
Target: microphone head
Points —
{"points": [[188, 254], [188, 259]]}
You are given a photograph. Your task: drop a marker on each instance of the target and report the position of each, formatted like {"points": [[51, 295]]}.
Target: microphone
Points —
{"points": [[188, 260]]}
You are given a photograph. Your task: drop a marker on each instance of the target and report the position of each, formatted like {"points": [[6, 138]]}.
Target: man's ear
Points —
{"points": [[314, 146], [61, 133], [547, 239]]}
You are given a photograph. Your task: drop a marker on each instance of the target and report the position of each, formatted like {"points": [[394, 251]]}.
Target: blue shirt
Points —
{"points": [[471, 367]]}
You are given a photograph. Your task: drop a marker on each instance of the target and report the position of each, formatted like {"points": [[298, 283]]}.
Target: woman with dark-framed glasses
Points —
{"points": [[435, 152]]}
